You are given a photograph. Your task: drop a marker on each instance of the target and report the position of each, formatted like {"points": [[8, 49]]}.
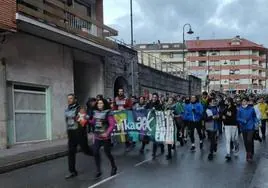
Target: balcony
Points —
{"points": [[54, 20]]}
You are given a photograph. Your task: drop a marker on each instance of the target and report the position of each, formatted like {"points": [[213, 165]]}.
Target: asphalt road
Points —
{"points": [[186, 169]]}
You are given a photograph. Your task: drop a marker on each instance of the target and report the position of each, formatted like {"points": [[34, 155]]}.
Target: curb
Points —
{"points": [[24, 163]]}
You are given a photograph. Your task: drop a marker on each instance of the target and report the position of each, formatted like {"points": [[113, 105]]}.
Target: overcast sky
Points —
{"points": [[163, 19]]}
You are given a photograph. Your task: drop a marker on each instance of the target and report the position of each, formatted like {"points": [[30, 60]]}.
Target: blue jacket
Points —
{"points": [[210, 112], [246, 118], [193, 112]]}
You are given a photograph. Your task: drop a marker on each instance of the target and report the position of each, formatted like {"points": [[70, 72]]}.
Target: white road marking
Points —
{"points": [[104, 180], [142, 162]]}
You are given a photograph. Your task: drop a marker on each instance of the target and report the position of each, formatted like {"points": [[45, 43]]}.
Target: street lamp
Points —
{"points": [[132, 43], [190, 32]]}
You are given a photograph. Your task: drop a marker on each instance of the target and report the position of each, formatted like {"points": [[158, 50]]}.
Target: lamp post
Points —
{"points": [[132, 43], [183, 39]]}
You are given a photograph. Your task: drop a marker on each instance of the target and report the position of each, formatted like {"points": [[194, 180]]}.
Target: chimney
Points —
{"points": [[197, 38]]}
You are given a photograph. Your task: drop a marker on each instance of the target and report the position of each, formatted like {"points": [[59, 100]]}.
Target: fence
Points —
{"points": [[157, 63]]}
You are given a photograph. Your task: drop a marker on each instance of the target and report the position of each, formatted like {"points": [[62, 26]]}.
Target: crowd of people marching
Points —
{"points": [[211, 115]]}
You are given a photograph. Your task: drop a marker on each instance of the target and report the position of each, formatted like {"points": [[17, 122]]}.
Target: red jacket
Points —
{"points": [[123, 103]]}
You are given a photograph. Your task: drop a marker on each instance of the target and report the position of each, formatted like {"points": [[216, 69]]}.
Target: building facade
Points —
{"points": [[229, 65], [165, 56], [47, 50]]}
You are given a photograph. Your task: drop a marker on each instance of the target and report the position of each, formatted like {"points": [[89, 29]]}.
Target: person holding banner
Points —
{"points": [[193, 113], [141, 105], [104, 123], [212, 125], [171, 105], [156, 105], [124, 103]]}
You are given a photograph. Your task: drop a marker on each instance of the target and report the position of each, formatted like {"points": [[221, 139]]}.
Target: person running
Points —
{"points": [[155, 104], [104, 123], [212, 125], [178, 112], [193, 112], [230, 127], [77, 134], [204, 102], [263, 107], [141, 105], [252, 103], [246, 118], [186, 120]]}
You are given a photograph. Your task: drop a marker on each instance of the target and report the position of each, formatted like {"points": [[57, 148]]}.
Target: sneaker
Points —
{"points": [[71, 175], [141, 151], [228, 157], [153, 156], [98, 175], [193, 148], [173, 147], [210, 156], [114, 171], [201, 145]]}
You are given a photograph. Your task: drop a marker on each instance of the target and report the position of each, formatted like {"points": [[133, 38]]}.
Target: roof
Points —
{"points": [[222, 44]]}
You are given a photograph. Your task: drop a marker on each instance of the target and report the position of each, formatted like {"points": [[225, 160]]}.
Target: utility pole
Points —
{"points": [[132, 45]]}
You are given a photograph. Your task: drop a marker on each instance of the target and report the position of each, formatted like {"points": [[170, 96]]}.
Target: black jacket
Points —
{"points": [[157, 106], [230, 120]]}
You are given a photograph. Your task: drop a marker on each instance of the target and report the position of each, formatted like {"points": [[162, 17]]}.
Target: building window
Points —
{"points": [[29, 113], [235, 52], [202, 63], [142, 47], [177, 55], [171, 55], [165, 46], [176, 45], [202, 53]]}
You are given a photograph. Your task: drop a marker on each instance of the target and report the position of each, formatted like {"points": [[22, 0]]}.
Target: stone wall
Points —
{"points": [[161, 82], [120, 66], [146, 79]]}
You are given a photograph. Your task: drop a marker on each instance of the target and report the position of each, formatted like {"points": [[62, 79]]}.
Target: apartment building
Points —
{"points": [[48, 49], [229, 65], [165, 56]]}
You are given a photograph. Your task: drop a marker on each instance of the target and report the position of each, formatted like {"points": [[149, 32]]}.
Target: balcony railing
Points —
{"points": [[57, 14]]}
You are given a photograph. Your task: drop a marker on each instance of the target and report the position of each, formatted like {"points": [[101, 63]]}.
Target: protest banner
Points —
{"points": [[136, 124]]}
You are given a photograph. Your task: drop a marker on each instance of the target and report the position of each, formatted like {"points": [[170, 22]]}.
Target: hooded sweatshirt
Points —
{"points": [[246, 118], [193, 112]]}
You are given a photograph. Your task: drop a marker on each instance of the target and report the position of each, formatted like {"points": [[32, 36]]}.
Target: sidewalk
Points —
{"points": [[26, 155]]}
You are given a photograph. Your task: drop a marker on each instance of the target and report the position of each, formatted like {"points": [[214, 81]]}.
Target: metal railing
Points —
{"points": [[57, 14], [157, 63]]}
